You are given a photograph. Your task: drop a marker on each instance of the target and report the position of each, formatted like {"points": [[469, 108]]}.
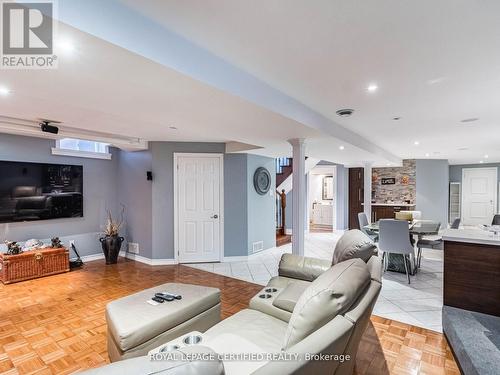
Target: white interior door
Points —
{"points": [[199, 196], [479, 195]]}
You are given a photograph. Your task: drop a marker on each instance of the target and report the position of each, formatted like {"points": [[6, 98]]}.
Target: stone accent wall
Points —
{"points": [[402, 190]]}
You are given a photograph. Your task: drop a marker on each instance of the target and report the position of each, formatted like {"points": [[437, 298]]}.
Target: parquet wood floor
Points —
{"points": [[56, 325]]}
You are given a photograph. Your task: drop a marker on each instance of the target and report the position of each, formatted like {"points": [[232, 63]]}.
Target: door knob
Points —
{"points": [[215, 216]]}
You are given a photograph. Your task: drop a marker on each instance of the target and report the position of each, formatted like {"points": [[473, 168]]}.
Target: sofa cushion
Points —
{"points": [[331, 294], [302, 268], [288, 297], [261, 332], [354, 244]]}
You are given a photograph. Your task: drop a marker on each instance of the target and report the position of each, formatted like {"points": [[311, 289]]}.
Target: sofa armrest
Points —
{"points": [[302, 268], [180, 364]]}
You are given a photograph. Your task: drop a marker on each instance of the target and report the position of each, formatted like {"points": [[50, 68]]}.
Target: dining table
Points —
{"points": [[418, 228]]}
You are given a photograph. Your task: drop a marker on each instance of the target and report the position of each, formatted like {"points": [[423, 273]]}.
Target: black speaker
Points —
{"points": [[149, 175]]}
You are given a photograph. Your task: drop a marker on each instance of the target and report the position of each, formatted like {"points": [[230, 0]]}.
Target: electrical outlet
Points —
{"points": [[133, 247]]}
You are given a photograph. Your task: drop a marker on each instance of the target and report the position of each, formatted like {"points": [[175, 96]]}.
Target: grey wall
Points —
{"points": [[163, 191], [235, 205], [432, 182], [261, 208], [149, 205], [456, 170], [248, 216], [135, 193], [99, 191]]}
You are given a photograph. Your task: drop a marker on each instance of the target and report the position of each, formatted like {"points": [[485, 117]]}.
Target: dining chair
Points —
{"points": [[394, 238], [363, 221], [496, 220], [435, 244]]}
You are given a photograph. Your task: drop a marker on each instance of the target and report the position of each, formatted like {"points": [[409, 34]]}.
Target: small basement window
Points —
{"points": [[81, 148]]}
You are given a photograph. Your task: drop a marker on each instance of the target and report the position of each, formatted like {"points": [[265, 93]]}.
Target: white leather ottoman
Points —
{"points": [[135, 326]]}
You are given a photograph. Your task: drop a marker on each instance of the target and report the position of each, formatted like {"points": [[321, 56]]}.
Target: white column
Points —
{"points": [[299, 197], [368, 190]]}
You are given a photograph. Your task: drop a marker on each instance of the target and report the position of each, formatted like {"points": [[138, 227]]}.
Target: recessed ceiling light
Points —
{"points": [[481, 161], [416, 143], [427, 155], [172, 127], [341, 148], [486, 156], [372, 87], [65, 45], [345, 112], [467, 120], [4, 91]]}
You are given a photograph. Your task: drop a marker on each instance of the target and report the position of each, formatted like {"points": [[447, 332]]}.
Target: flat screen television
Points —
{"points": [[38, 191]]}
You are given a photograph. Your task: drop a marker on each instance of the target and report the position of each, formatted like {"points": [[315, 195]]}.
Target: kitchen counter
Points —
{"points": [[392, 204], [476, 236], [471, 278]]}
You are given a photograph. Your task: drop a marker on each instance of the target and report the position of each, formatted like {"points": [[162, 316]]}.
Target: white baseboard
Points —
{"points": [[163, 262], [235, 259], [90, 258], [150, 262]]}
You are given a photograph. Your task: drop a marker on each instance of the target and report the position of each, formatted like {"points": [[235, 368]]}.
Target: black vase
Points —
{"points": [[111, 248]]}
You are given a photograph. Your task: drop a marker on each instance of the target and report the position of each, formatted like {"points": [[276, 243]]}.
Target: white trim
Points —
{"points": [[150, 262], [80, 154], [90, 258], [242, 258], [221, 200]]}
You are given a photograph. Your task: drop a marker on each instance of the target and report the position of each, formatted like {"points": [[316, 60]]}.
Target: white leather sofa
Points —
{"points": [[314, 308]]}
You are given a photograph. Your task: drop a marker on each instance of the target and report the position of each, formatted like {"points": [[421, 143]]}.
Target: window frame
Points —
{"points": [[57, 150]]}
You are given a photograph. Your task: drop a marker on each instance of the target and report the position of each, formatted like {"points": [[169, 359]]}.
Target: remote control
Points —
{"points": [[164, 297], [159, 300], [176, 296]]}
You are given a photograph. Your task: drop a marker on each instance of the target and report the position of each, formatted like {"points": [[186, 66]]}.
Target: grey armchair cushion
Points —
{"points": [[354, 244], [288, 297], [331, 294], [302, 268]]}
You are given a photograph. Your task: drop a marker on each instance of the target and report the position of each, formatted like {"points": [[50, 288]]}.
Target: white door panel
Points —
{"points": [[199, 212], [479, 195]]}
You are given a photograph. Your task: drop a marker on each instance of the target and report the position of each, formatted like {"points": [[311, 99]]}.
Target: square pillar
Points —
{"points": [[299, 197], [367, 198]]}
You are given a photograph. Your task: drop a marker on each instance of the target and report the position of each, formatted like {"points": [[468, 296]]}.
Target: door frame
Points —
{"points": [[462, 199], [221, 200]]}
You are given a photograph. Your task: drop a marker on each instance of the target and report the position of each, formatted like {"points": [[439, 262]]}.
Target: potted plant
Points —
{"points": [[111, 242]]}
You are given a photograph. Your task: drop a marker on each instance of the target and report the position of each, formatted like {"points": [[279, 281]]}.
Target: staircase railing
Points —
{"points": [[284, 168], [280, 212], [282, 162]]}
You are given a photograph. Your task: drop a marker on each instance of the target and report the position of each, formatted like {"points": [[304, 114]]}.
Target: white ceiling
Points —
{"points": [[104, 88], [435, 62]]}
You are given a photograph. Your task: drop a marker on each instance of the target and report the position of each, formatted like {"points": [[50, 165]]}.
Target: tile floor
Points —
{"points": [[418, 304]]}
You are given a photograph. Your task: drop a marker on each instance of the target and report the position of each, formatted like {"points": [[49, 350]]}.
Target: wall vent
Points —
{"points": [[133, 247], [257, 246]]}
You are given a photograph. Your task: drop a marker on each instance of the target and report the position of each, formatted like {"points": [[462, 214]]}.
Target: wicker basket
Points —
{"points": [[33, 264]]}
